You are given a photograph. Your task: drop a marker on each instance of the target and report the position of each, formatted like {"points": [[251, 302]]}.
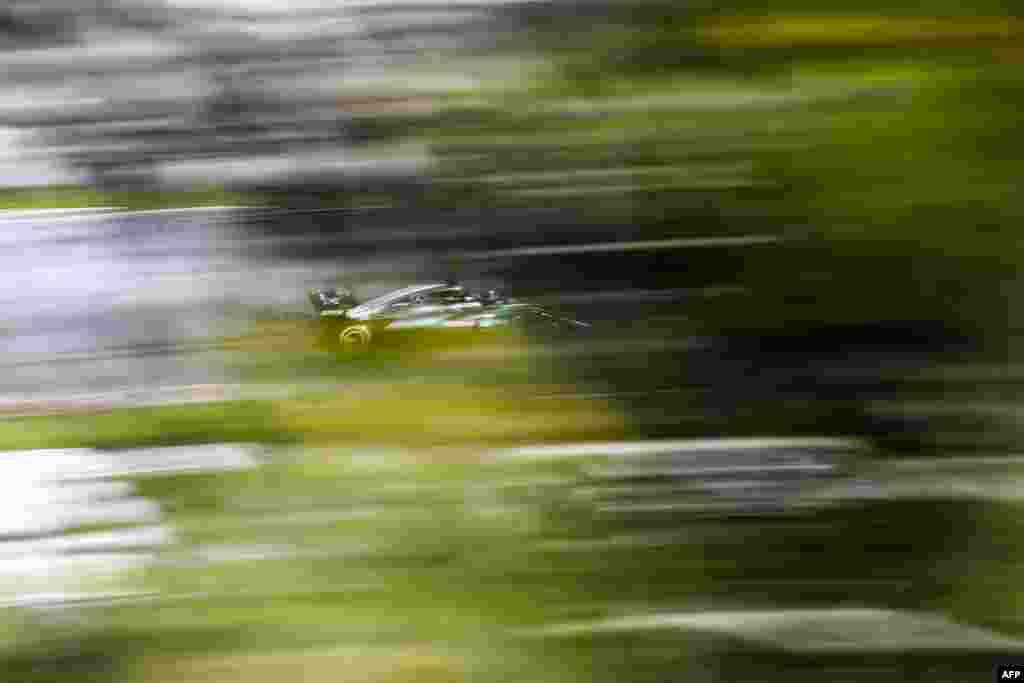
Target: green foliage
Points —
{"points": [[880, 141]]}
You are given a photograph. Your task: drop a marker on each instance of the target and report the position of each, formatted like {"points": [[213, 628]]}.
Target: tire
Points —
{"points": [[354, 340]]}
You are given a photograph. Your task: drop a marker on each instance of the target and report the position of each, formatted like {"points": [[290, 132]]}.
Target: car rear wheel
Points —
{"points": [[354, 340]]}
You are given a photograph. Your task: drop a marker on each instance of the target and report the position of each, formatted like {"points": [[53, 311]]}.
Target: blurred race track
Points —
{"points": [[109, 303]]}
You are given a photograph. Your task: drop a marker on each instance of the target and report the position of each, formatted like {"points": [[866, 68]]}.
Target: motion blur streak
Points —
{"points": [[865, 31], [510, 341]]}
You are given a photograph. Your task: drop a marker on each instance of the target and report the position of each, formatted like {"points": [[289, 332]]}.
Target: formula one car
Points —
{"points": [[441, 312]]}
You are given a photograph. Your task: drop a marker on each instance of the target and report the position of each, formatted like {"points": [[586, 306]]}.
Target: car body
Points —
{"points": [[437, 311]]}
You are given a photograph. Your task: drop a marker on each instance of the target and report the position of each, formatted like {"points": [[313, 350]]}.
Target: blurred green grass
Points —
{"points": [[82, 196], [242, 421], [426, 558]]}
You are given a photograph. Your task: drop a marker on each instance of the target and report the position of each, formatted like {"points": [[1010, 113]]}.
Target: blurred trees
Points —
{"points": [[879, 140]]}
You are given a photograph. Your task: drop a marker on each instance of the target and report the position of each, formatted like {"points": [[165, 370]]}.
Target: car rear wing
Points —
{"points": [[333, 300]]}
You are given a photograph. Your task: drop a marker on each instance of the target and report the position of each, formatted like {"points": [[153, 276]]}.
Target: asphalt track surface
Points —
{"points": [[104, 303]]}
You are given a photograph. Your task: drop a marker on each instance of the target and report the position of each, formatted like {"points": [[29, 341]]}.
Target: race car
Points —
{"points": [[444, 312]]}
